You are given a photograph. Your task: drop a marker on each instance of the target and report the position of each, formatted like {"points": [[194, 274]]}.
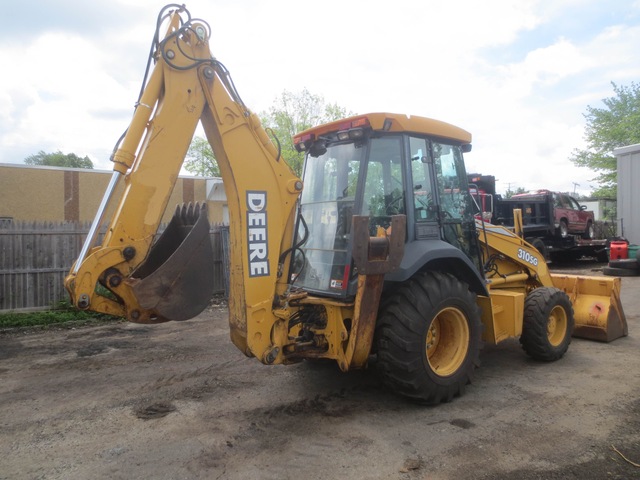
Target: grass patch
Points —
{"points": [[60, 314]]}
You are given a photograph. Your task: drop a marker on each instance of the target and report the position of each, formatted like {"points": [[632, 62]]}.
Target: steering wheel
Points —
{"points": [[394, 204]]}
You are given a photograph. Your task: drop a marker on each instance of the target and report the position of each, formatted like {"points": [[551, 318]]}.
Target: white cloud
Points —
{"points": [[548, 65], [518, 75], [61, 95]]}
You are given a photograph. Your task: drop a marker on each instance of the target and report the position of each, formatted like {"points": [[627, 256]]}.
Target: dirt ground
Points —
{"points": [[178, 401]]}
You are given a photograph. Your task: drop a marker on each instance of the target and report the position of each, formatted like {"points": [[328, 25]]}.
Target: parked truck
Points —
{"points": [[555, 223]]}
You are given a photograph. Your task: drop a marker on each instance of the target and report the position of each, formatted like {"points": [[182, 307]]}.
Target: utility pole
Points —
{"points": [[574, 187], [508, 192]]}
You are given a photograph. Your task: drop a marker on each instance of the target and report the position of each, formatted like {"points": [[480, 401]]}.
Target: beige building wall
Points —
{"points": [[90, 190], [29, 193]]}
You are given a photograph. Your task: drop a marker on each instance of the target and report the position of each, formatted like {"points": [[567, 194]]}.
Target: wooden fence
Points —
{"points": [[35, 257]]}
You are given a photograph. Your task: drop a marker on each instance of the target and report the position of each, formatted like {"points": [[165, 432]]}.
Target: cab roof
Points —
{"points": [[393, 122]]}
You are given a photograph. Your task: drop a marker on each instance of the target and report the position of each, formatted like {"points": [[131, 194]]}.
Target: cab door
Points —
{"points": [[424, 200], [455, 205]]}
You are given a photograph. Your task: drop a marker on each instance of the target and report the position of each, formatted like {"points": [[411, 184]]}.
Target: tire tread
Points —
{"points": [[401, 331], [534, 338]]}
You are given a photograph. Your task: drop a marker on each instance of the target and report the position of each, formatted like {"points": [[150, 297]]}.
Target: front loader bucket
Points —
{"points": [[596, 304], [176, 279]]}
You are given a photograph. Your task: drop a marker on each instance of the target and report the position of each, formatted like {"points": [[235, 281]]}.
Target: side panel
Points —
{"points": [[537, 214], [502, 315]]}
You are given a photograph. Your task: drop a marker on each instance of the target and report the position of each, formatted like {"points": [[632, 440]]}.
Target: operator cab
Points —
{"points": [[375, 165]]}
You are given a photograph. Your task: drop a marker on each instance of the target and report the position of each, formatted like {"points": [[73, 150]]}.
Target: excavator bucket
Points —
{"points": [[176, 279], [596, 305]]}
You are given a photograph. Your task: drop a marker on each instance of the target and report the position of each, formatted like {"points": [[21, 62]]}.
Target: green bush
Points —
{"points": [[63, 312]]}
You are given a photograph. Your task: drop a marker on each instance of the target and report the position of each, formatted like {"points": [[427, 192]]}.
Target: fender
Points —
{"points": [[436, 254]]}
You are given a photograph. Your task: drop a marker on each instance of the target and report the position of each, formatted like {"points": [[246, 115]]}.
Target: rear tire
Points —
{"points": [[563, 230], [590, 232], [428, 338], [548, 324]]}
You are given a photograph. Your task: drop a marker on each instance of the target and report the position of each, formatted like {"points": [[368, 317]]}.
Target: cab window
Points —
{"points": [[384, 187], [423, 202]]}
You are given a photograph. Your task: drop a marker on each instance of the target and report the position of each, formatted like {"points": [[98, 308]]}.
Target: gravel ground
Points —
{"points": [[177, 400]]}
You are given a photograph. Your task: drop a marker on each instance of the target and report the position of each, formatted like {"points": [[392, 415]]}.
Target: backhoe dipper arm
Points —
{"points": [[188, 85]]}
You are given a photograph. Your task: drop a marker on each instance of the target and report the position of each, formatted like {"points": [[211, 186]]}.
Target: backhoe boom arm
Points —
{"points": [[188, 85]]}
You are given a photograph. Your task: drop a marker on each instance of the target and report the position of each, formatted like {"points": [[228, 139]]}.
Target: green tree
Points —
{"points": [[200, 160], [291, 113], [58, 159], [616, 125], [510, 193]]}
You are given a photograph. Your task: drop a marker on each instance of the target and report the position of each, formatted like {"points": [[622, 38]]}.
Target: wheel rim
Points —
{"points": [[557, 326], [447, 341], [564, 230]]}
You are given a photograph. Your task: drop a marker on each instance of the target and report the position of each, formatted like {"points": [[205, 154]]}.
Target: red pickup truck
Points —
{"points": [[569, 217]]}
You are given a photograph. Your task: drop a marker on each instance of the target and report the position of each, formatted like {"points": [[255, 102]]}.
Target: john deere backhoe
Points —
{"points": [[376, 251]]}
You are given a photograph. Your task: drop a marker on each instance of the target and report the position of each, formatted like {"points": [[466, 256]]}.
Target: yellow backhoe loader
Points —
{"points": [[379, 254]]}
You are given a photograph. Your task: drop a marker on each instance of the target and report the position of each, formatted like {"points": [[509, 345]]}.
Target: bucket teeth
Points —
{"points": [[188, 214]]}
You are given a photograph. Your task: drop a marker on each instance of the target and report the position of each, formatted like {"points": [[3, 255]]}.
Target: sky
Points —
{"points": [[519, 75]]}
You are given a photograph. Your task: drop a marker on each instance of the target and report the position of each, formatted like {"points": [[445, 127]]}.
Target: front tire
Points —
{"points": [[428, 338], [548, 324]]}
